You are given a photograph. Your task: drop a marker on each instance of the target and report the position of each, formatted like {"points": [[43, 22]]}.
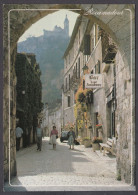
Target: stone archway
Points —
{"points": [[17, 21]]}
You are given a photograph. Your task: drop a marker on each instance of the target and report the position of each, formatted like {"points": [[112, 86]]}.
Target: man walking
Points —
{"points": [[39, 134], [19, 133]]}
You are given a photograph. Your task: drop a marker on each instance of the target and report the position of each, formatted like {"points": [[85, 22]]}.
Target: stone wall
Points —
{"points": [[9, 118], [124, 120]]}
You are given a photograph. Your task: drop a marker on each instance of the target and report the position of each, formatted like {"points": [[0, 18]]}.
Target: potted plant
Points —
{"points": [[89, 97], [95, 143], [87, 142], [81, 97]]}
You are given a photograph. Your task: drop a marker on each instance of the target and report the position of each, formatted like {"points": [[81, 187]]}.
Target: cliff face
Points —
{"points": [[49, 50]]}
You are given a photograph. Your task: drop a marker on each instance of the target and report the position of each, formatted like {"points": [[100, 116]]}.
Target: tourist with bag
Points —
{"points": [[71, 138]]}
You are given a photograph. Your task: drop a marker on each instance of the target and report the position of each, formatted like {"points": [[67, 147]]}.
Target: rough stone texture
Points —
{"points": [[123, 121], [22, 20]]}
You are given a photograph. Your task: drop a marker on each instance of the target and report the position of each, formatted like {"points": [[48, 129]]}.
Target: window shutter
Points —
{"points": [[87, 45], [98, 67], [79, 68], [68, 101], [83, 84], [69, 81]]}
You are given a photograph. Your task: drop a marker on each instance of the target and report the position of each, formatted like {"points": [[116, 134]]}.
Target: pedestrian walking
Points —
{"points": [[54, 136], [71, 138], [19, 133], [39, 134]]}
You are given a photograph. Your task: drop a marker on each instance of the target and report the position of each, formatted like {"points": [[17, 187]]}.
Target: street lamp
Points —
{"points": [[23, 92], [85, 69]]}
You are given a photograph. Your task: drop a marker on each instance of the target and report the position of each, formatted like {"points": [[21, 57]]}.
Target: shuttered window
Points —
{"points": [[87, 45], [76, 70], [79, 68], [98, 64], [68, 101], [66, 83], [69, 81]]}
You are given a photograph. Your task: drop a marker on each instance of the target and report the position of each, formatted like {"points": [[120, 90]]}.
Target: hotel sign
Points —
{"points": [[93, 81]]}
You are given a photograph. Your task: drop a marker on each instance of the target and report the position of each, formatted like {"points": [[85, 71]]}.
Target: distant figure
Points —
{"points": [[53, 136], [19, 133], [71, 138], [39, 134]]}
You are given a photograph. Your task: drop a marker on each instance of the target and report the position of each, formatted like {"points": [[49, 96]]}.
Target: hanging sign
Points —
{"points": [[93, 81]]}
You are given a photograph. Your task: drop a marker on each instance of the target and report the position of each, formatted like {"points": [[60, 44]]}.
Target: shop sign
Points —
{"points": [[93, 81]]}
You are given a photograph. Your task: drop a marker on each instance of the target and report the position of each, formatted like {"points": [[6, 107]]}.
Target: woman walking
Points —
{"points": [[53, 137], [71, 138]]}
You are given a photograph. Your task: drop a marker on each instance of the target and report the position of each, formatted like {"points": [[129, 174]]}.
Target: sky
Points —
{"points": [[49, 22]]}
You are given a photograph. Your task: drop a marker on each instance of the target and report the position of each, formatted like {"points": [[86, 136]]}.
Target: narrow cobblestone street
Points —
{"points": [[80, 169]]}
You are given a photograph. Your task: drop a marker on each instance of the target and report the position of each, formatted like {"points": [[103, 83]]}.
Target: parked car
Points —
{"points": [[63, 136]]}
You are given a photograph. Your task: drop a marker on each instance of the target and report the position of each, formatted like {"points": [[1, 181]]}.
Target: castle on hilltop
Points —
{"points": [[58, 30]]}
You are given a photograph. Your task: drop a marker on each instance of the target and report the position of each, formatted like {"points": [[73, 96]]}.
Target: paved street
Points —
{"points": [[65, 170]]}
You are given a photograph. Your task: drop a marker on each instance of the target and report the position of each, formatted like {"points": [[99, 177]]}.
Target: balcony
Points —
{"points": [[66, 91], [74, 80], [109, 48]]}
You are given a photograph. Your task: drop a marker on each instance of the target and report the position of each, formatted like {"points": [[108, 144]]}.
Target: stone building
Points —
{"points": [[72, 67], [55, 119], [29, 94], [45, 120], [101, 112], [58, 31]]}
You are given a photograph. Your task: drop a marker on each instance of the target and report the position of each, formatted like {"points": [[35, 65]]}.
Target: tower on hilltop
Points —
{"points": [[66, 26]]}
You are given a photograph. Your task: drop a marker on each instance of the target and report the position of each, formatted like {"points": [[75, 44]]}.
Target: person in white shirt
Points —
{"points": [[19, 133]]}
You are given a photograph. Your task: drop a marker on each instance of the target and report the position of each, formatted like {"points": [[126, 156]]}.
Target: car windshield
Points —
{"points": [[64, 133]]}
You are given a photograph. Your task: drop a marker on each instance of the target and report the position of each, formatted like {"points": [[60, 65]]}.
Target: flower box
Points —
{"points": [[98, 125], [95, 146], [87, 143], [97, 140]]}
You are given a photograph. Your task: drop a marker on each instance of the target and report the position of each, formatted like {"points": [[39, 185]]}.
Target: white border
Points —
{"points": [[131, 96], [9, 58]]}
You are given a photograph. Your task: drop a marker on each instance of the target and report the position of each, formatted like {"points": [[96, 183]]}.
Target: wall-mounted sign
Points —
{"points": [[93, 81]]}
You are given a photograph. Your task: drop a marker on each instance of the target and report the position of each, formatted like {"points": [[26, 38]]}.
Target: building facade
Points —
{"points": [[45, 121], [55, 119], [99, 112], [29, 94]]}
